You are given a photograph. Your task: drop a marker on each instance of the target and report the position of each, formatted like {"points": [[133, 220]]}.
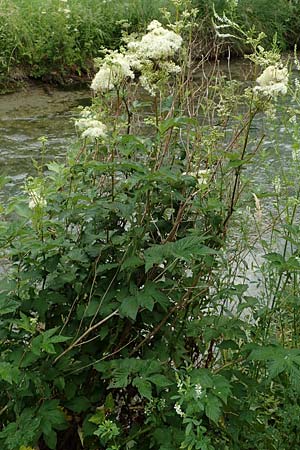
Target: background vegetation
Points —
{"points": [[57, 40]]}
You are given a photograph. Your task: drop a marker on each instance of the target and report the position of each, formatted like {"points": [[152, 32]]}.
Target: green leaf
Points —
{"points": [[159, 380], [222, 387], [185, 249], [7, 305], [9, 373], [98, 417], [79, 404], [109, 402], [213, 408], [51, 439], [52, 416], [120, 378], [276, 259], [57, 339], [132, 262], [129, 307], [143, 386], [266, 353]]}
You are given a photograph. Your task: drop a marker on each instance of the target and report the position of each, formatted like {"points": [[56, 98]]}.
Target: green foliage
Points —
{"points": [[123, 320], [54, 39]]}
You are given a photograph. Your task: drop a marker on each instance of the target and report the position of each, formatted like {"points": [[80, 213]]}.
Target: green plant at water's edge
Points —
{"points": [[117, 330]]}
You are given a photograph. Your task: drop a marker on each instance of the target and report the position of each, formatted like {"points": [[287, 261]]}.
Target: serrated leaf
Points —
{"points": [[222, 387], [120, 378], [48, 348], [57, 339], [51, 416], [185, 249], [132, 262], [213, 408], [129, 307], [143, 386], [263, 353], [159, 380]]}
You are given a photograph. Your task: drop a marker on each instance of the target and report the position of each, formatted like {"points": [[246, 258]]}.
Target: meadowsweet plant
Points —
{"points": [[118, 328]]}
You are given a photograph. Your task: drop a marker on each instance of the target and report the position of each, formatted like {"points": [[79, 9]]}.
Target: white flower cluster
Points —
{"points": [[198, 390], [91, 128], [273, 81], [36, 199], [114, 70], [158, 44], [151, 57], [178, 410], [277, 184], [188, 273], [201, 175]]}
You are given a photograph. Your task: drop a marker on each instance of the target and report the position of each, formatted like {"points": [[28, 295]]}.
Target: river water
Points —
{"points": [[27, 116]]}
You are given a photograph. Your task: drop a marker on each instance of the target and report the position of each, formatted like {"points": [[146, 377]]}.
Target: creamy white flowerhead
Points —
{"points": [[86, 113], [36, 200], [115, 69], [273, 81], [91, 128], [83, 124], [102, 81], [94, 133], [159, 43]]}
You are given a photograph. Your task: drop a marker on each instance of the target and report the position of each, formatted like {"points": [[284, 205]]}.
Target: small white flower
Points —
{"points": [[198, 390], [36, 200], [178, 410], [179, 384], [91, 128], [127, 225], [188, 273], [277, 184]]}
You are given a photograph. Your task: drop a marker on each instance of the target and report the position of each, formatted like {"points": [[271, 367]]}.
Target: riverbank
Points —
{"points": [[57, 42]]}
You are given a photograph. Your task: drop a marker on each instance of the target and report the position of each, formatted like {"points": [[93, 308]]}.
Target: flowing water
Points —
{"points": [[27, 116]]}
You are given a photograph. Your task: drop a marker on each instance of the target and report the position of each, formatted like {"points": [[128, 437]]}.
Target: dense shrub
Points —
{"points": [[124, 324]]}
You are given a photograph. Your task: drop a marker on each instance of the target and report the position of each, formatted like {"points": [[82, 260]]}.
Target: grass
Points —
{"points": [[56, 40]]}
